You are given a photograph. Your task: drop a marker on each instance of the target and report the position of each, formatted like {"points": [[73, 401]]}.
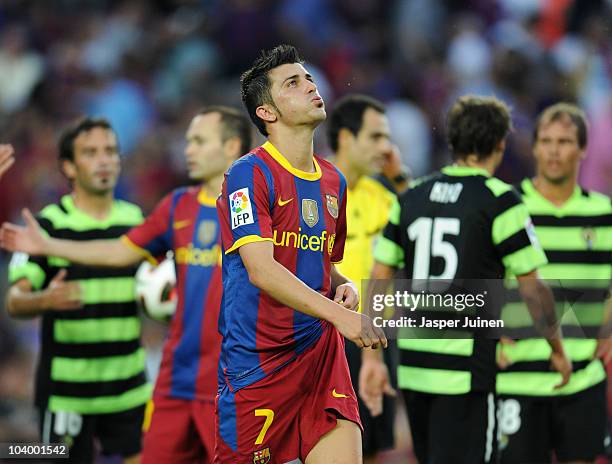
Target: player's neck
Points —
{"points": [[213, 186], [556, 193], [296, 145], [487, 164], [96, 206], [351, 174]]}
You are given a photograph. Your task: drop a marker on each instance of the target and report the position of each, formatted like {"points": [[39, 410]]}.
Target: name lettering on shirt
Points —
{"points": [[442, 192]]}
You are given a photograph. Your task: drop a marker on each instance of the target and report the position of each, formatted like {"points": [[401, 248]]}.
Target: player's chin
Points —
{"points": [[194, 175], [319, 114]]}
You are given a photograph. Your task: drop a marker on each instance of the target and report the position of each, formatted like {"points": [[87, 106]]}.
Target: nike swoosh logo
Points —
{"points": [[181, 224], [338, 395], [283, 203]]}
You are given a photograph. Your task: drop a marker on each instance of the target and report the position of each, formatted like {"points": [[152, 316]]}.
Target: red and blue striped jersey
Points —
{"points": [[186, 222], [304, 215]]}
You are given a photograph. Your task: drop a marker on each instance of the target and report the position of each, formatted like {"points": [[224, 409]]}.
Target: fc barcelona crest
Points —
{"points": [[207, 232], [261, 456], [310, 212], [332, 205]]}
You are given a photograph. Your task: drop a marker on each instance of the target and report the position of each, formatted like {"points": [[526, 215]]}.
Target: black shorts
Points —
{"points": [[458, 429], [573, 426], [377, 431], [117, 433]]}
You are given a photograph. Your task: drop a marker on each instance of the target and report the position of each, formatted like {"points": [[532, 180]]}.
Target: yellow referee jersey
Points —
{"points": [[367, 213]]}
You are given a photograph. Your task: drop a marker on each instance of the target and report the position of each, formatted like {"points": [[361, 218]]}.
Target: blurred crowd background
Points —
{"points": [[149, 65]]}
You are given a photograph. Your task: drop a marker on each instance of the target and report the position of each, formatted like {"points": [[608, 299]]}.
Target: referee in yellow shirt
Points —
{"points": [[359, 135]]}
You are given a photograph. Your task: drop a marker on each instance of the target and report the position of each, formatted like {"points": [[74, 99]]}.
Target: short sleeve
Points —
{"points": [[245, 206], [154, 236], [388, 248], [514, 236], [35, 269]]}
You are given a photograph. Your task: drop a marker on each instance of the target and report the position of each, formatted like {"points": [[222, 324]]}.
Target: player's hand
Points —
{"points": [[6, 157], [503, 361], [373, 384], [28, 239], [392, 165], [603, 350], [563, 365], [61, 295], [359, 329], [348, 296]]}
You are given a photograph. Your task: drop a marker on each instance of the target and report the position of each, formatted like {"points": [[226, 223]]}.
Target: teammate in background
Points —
{"points": [[573, 226], [6, 157], [185, 221], [358, 133], [478, 229], [285, 391], [90, 382]]}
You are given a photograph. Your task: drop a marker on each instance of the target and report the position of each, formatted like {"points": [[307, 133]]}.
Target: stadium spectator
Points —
{"points": [[6, 157]]}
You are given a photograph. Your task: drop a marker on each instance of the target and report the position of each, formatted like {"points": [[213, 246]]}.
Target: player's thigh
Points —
{"points": [[580, 425], [171, 436], [73, 429], [121, 432], [203, 414], [341, 445], [331, 396], [462, 429], [259, 423], [524, 429]]}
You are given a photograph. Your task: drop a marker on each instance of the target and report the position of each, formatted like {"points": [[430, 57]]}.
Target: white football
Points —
{"points": [[156, 289]]}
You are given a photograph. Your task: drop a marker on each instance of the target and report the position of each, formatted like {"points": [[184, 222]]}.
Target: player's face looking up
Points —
{"points": [[95, 165], [557, 150], [296, 98], [367, 149], [205, 151]]}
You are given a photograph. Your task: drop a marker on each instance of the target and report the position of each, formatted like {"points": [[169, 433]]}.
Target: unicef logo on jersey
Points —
{"points": [[240, 208]]}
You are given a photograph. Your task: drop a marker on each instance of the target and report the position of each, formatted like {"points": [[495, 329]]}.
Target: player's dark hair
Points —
{"points": [[233, 124], [476, 125], [348, 114], [563, 111], [255, 82], [66, 139]]}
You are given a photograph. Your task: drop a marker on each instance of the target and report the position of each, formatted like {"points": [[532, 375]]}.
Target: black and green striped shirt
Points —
{"points": [[456, 224], [91, 360], [577, 239]]}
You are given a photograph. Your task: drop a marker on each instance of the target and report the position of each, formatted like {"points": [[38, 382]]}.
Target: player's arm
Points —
{"points": [[541, 305], [374, 379], [604, 340], [23, 302], [31, 240], [346, 292], [277, 281]]}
